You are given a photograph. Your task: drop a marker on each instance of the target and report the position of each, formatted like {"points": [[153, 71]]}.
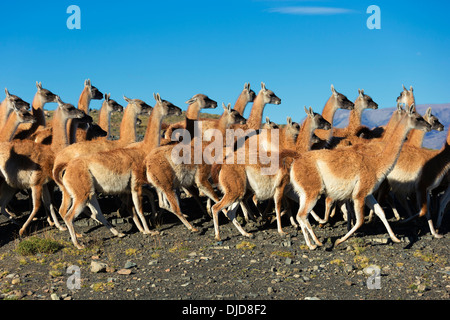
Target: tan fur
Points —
{"points": [[7, 105], [42, 97], [335, 102], [25, 164], [434, 172], [166, 175], [14, 120], [247, 95], [350, 173], [237, 180], [115, 171]]}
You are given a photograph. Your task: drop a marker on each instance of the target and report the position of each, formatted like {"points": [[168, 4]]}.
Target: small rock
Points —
{"points": [[124, 271], [15, 281], [348, 283], [152, 262], [130, 264], [311, 298], [54, 296], [270, 290], [98, 266], [288, 261]]}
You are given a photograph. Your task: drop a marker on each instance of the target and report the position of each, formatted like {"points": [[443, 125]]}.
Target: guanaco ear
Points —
{"points": [[59, 101], [411, 89], [263, 86], [412, 108], [428, 113], [267, 120], [7, 92], [39, 85], [229, 108], [361, 92], [157, 97], [289, 121], [404, 88], [333, 90], [191, 100], [247, 86], [127, 99], [87, 82], [311, 112]]}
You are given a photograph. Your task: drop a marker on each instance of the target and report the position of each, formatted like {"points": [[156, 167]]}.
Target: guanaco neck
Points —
{"points": [[9, 129], [128, 125], [37, 110], [84, 100], [354, 120], [5, 112], [25, 130], [152, 138], [256, 113], [192, 113], [241, 102], [415, 138], [104, 120], [287, 139], [72, 124], [387, 159], [60, 138], [305, 134]]}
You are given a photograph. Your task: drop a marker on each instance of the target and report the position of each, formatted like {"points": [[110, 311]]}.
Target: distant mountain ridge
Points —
{"points": [[375, 118]]}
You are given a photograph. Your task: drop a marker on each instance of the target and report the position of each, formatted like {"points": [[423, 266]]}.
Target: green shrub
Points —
{"points": [[34, 245]]}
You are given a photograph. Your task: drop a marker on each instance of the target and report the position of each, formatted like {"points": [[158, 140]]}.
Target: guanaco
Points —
{"points": [[236, 179], [113, 172], [134, 108], [6, 107], [432, 175], [42, 97], [16, 117], [245, 97], [169, 175], [109, 106], [351, 173], [336, 101], [25, 164]]}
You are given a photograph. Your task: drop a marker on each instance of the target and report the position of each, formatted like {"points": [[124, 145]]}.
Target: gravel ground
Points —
{"points": [[178, 264]]}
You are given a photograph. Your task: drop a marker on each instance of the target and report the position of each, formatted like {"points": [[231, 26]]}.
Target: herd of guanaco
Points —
{"points": [[346, 168]]}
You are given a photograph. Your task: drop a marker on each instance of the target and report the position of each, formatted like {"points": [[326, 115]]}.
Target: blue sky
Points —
{"points": [[180, 48]]}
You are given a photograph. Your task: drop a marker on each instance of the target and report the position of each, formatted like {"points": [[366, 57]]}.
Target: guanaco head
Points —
{"points": [[269, 97], [341, 101], [318, 122], [406, 96], [269, 124], [364, 101], [249, 93], [23, 116], [232, 116], [416, 121], [141, 107], [44, 94], [204, 102], [68, 111], [433, 121], [92, 91], [18, 102], [292, 128], [167, 108], [111, 105]]}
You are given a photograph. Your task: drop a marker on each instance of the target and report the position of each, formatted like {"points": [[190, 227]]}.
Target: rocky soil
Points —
{"points": [[178, 264]]}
